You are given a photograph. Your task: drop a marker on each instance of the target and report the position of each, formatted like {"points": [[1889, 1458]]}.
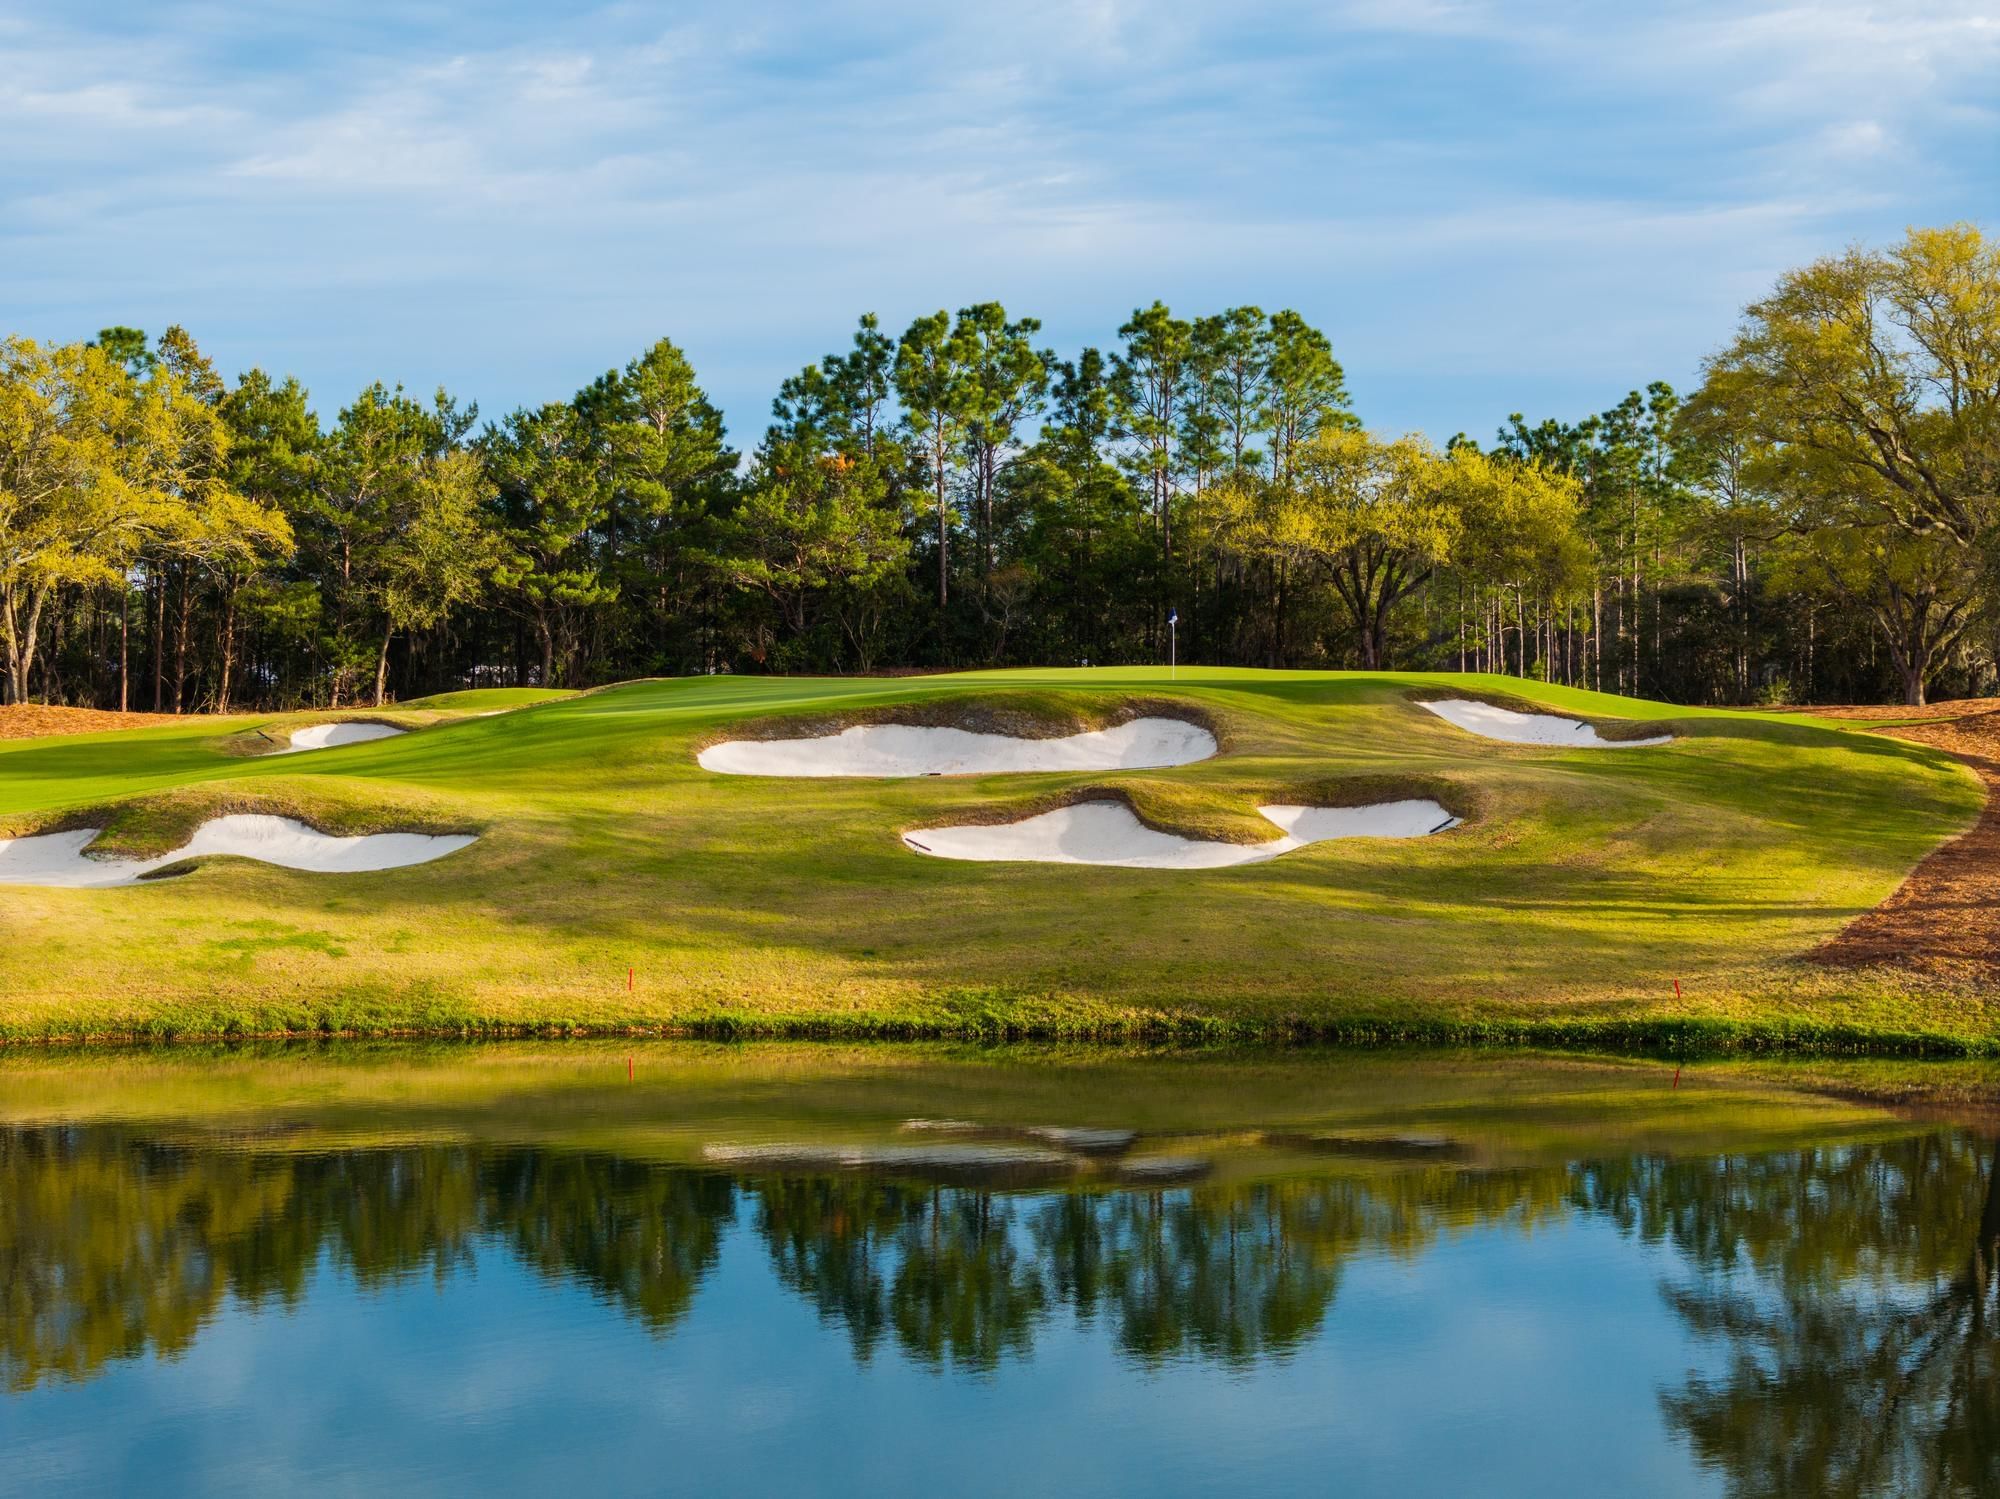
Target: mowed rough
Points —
{"points": [[615, 882]]}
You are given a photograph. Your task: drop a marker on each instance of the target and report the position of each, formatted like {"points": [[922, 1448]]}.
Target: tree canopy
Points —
{"points": [[1820, 520]]}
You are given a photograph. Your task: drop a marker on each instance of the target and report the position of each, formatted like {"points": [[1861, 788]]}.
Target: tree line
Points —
{"points": [[1815, 522]]}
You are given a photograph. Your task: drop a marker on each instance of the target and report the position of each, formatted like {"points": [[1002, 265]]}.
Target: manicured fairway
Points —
{"points": [[1584, 883]]}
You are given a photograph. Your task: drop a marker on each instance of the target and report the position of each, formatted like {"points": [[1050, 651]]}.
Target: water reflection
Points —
{"points": [[115, 1243], [1863, 1357], [1849, 1292]]}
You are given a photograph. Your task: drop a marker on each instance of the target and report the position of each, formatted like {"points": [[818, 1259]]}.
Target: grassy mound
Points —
{"points": [[487, 699], [1582, 887]]}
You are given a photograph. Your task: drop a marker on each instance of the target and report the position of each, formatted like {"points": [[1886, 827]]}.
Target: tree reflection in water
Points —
{"points": [[1856, 1293], [111, 1245], [1854, 1289]]}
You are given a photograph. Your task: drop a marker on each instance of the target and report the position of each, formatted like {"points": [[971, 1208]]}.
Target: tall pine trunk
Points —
{"points": [[382, 663], [181, 646], [228, 650], [937, 459], [158, 588]]}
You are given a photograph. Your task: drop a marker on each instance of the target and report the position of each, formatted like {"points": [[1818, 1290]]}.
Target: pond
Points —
{"points": [[838, 1270]]}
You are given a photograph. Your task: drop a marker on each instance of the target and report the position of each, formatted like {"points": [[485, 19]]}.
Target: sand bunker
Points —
{"points": [[1490, 722], [1107, 832], [333, 735], [895, 749], [59, 859]]}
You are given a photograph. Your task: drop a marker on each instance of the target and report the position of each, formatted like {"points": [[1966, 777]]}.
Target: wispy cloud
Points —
{"points": [[1486, 204]]}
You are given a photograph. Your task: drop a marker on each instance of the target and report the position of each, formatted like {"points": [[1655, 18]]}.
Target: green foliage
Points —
{"points": [[1880, 371], [100, 470], [550, 504], [444, 554], [935, 388], [1822, 511], [1305, 389], [128, 347], [815, 532], [1864, 396]]}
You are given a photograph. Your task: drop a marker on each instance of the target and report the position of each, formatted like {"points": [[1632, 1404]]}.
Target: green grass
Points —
{"points": [[1586, 882], [486, 699]]}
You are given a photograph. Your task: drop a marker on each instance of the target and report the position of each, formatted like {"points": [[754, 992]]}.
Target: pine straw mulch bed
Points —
{"points": [[32, 720], [1948, 711], [1945, 918]]}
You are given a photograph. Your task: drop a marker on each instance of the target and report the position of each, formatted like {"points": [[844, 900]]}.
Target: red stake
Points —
{"points": [[628, 982], [1677, 988], [1677, 1077]]}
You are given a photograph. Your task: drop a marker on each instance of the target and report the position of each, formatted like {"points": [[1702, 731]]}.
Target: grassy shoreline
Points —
{"points": [[1660, 1035]]}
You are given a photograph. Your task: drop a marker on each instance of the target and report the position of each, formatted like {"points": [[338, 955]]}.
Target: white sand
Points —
{"points": [[59, 859], [333, 735], [1107, 832], [1530, 728], [893, 749]]}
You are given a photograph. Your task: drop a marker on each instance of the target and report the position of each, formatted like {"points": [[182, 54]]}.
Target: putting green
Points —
{"points": [[1581, 886]]}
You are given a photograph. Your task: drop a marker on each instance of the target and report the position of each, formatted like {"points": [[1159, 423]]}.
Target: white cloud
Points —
{"points": [[1855, 139], [1443, 185], [111, 106]]}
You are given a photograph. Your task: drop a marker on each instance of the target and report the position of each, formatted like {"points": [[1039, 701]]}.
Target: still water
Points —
{"points": [[797, 1270]]}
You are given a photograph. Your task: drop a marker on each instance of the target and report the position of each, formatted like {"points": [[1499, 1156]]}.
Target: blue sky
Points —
{"points": [[1488, 207]]}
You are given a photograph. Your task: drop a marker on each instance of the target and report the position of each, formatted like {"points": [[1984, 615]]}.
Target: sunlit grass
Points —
{"points": [[1586, 883]]}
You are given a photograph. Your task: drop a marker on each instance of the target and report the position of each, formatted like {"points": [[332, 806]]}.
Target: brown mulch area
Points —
{"points": [[1946, 915], [29, 720], [1945, 712]]}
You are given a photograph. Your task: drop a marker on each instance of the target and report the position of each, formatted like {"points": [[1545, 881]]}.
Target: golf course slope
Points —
{"points": [[614, 883]]}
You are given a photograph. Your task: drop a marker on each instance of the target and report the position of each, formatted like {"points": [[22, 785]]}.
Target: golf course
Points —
{"points": [[1664, 880]]}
